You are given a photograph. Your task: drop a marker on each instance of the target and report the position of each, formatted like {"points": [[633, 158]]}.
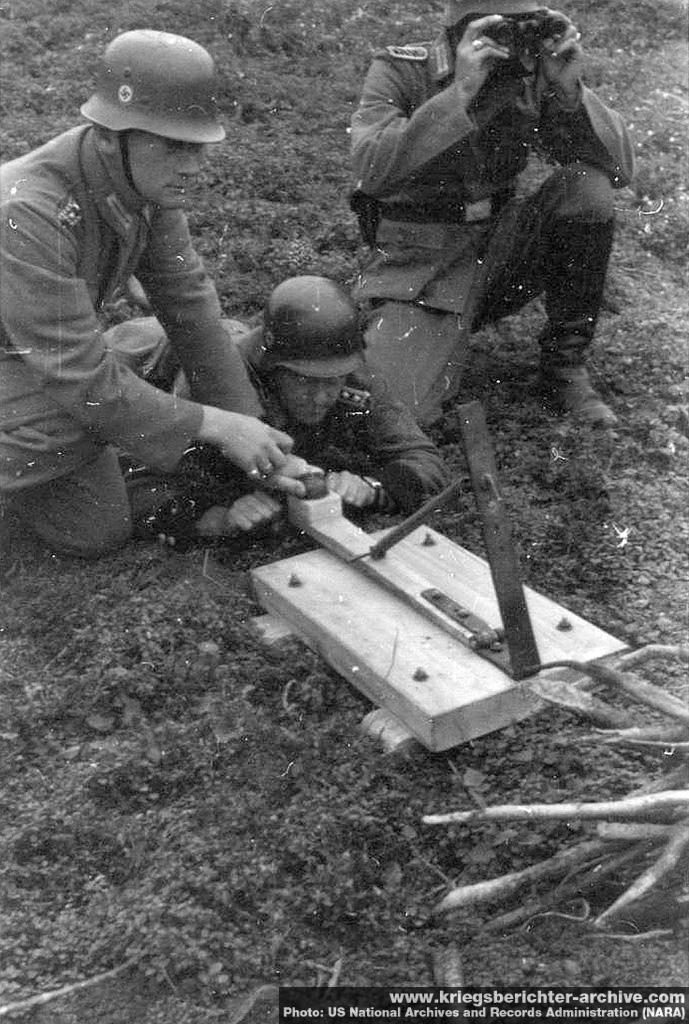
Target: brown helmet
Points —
{"points": [[313, 327], [457, 10], [159, 83]]}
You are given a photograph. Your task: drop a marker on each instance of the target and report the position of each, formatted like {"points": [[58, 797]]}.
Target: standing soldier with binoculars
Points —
{"points": [[440, 137]]}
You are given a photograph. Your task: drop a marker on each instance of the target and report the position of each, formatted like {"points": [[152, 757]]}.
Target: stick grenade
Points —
{"points": [[398, 533], [314, 485]]}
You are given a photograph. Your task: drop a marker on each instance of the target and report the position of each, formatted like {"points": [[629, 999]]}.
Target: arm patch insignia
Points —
{"points": [[415, 53], [69, 212]]}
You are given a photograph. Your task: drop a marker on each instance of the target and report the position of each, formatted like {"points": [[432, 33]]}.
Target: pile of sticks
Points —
{"points": [[645, 833]]}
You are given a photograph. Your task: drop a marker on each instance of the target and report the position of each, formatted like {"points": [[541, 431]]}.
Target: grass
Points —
{"points": [[179, 795]]}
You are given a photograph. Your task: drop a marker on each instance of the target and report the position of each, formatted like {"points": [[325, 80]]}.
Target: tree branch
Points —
{"points": [[644, 654], [507, 885], [668, 860], [66, 990], [639, 689], [629, 807]]}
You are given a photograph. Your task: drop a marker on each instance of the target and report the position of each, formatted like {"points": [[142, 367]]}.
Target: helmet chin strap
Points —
{"points": [[123, 140]]}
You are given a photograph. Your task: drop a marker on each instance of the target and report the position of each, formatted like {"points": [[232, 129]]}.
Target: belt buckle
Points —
{"points": [[474, 212]]}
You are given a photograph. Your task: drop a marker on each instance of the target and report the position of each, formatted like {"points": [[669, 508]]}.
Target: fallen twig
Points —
{"points": [[66, 990], [590, 881], [639, 689], [572, 698], [655, 933], [632, 831], [652, 696], [633, 658], [621, 823], [673, 745], [247, 1004], [335, 973], [667, 861], [573, 885], [641, 734], [507, 885], [629, 807], [503, 922]]}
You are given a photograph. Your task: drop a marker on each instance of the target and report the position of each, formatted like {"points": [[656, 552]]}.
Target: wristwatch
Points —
{"points": [[380, 501]]}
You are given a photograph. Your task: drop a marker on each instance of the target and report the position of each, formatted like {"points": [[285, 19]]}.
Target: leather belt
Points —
{"points": [[466, 213]]}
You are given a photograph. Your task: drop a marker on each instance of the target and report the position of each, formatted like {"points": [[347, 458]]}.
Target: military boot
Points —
{"points": [[569, 390]]}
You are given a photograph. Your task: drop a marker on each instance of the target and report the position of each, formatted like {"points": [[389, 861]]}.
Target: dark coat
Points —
{"points": [[433, 165]]}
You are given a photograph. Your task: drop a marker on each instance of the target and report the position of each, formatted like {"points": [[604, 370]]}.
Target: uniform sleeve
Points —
{"points": [[406, 461], [186, 302], [394, 135], [49, 322], [592, 133]]}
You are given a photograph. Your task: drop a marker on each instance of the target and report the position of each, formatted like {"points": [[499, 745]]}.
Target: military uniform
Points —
{"points": [[72, 231], [452, 247], [368, 432]]}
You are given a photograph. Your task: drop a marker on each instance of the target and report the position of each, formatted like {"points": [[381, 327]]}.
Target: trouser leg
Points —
{"points": [[556, 242], [84, 513], [417, 352], [143, 346], [574, 279], [107, 501]]}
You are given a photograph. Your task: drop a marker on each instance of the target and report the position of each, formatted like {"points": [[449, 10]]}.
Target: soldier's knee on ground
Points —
{"points": [[86, 513], [583, 192], [77, 538]]}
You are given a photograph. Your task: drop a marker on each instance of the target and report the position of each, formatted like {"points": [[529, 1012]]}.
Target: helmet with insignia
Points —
{"points": [[312, 327], [458, 10], [159, 83]]}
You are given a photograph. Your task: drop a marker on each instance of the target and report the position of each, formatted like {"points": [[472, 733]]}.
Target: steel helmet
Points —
{"points": [[457, 10], [313, 327], [157, 82]]}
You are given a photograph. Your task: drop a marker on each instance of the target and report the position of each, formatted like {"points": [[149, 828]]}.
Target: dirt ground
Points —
{"points": [[213, 816]]}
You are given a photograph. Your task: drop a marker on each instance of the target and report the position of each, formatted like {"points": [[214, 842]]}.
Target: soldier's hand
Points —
{"points": [[352, 489], [246, 513], [252, 510], [258, 449], [476, 56], [561, 60], [288, 478]]}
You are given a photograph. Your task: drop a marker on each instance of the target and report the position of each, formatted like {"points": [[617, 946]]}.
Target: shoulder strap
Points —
{"points": [[416, 52]]}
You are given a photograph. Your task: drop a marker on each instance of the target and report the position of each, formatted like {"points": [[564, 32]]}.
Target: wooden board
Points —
{"points": [[378, 642]]}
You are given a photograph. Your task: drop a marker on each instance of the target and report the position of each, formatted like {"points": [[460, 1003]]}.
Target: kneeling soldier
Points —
{"points": [[80, 215]]}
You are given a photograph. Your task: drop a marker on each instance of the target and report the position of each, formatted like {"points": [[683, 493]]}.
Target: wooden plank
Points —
{"points": [[322, 519], [378, 641], [439, 689], [427, 559]]}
